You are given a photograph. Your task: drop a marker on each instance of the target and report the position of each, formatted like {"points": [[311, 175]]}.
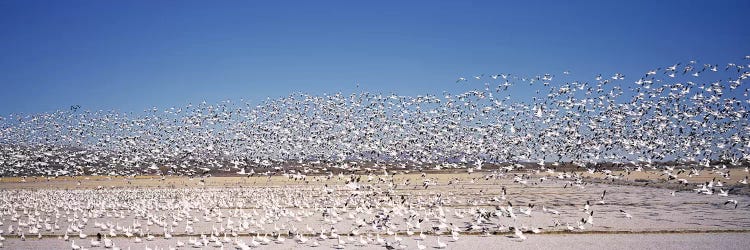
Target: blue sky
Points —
{"points": [[132, 55]]}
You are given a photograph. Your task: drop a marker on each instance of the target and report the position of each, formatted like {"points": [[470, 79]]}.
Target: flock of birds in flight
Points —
{"points": [[690, 114], [685, 113]]}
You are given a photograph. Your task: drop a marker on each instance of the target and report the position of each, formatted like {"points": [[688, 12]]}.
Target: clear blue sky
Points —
{"points": [[132, 55]]}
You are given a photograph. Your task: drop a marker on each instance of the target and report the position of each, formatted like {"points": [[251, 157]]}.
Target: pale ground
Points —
{"points": [[660, 220], [711, 241]]}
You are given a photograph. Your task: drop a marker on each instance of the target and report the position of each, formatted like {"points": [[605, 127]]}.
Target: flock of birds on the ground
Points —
{"points": [[335, 211], [688, 113], [693, 116]]}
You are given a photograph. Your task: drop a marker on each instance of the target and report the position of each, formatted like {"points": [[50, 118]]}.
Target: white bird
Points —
{"points": [[519, 234], [74, 246], [441, 245], [95, 243], [627, 215], [420, 246], [731, 201], [723, 193], [315, 243]]}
